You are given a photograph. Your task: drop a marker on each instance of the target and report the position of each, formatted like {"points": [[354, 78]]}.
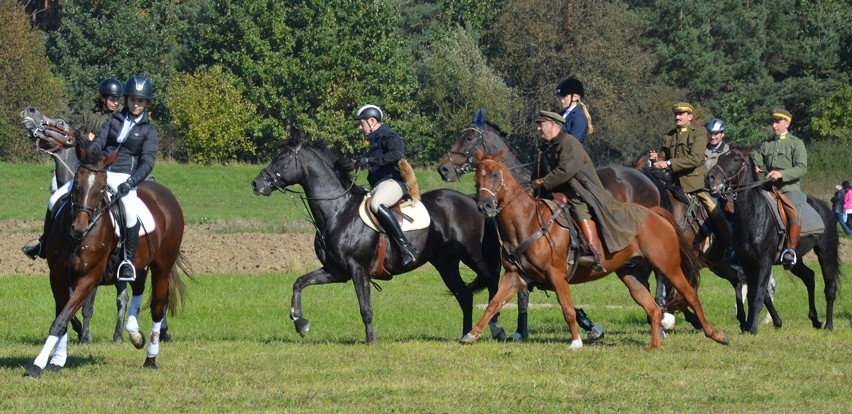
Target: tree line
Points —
{"points": [[235, 78]]}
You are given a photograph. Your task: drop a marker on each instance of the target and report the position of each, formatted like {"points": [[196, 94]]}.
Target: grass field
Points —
{"points": [[235, 349]]}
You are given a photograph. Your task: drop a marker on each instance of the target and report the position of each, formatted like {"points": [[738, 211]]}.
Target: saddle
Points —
{"points": [[409, 212], [809, 218]]}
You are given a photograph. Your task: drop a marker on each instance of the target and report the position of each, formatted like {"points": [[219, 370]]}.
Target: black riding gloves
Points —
{"points": [[124, 188]]}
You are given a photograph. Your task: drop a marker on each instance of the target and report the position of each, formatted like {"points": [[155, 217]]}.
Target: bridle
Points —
{"points": [[502, 187], [95, 213], [730, 191], [273, 179], [467, 165]]}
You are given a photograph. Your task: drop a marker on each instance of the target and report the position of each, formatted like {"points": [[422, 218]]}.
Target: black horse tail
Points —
{"points": [[689, 262], [829, 243]]}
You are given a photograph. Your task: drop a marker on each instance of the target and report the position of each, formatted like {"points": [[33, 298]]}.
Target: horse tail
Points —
{"points": [[827, 249], [689, 263], [409, 178], [177, 289]]}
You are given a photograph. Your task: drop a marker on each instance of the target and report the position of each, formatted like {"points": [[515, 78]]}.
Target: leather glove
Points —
{"points": [[123, 189], [364, 162]]}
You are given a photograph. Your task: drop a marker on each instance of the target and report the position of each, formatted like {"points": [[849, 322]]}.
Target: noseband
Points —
{"points": [[273, 179], [502, 186], [95, 213]]}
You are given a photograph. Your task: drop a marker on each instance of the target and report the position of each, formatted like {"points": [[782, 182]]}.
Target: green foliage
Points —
{"points": [[25, 80], [831, 115], [208, 111]]}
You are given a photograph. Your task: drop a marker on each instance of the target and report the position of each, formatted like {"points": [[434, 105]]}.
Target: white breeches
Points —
{"points": [[387, 192]]}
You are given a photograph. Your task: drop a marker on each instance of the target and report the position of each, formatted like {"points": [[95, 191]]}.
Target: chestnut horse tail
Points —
{"points": [[177, 289], [410, 179], [689, 262]]}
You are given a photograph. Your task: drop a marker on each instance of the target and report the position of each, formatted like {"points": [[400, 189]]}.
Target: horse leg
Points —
{"points": [[566, 302], [510, 284], [160, 291], [132, 323], [756, 289], [317, 277], [121, 298], [807, 275], [522, 331], [449, 272], [642, 296], [362, 291], [85, 335]]}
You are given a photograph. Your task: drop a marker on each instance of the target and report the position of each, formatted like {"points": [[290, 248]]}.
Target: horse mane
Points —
{"points": [[342, 169]]}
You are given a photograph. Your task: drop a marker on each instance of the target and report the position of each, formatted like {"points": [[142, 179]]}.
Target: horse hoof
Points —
{"points": [[137, 340], [516, 337], [499, 334], [52, 368], [117, 339], [165, 336], [33, 371], [596, 333], [150, 362], [302, 326], [576, 344], [467, 339], [723, 338], [668, 321]]}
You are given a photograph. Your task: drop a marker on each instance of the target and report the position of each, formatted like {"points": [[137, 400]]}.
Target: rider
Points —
{"points": [[134, 137], [110, 90], [716, 146], [578, 122], [785, 160], [385, 178], [572, 173]]}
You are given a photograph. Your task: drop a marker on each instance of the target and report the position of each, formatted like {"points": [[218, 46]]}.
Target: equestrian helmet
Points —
{"points": [[715, 125], [110, 87], [570, 86], [369, 111], [139, 86]]}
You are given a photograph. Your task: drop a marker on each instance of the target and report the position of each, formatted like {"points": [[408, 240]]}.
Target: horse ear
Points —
{"points": [[479, 118], [479, 154], [110, 159], [499, 155], [82, 151]]}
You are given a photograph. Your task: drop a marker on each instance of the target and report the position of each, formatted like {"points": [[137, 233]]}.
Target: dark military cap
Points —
{"points": [[550, 116], [570, 86]]}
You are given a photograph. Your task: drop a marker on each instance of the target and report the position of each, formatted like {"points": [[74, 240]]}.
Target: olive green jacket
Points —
{"points": [[686, 152], [92, 121], [572, 173], [787, 154]]}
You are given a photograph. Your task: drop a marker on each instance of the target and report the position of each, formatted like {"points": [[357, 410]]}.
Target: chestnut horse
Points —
{"points": [[80, 244], [624, 183], [539, 249]]}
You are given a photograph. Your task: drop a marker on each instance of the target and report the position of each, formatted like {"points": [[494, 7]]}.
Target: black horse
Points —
{"points": [[757, 239], [57, 139], [625, 184], [347, 247]]}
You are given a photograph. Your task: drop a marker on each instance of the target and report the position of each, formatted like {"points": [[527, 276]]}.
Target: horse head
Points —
{"points": [[733, 169], [88, 195], [491, 186], [460, 158], [49, 134], [281, 172]]}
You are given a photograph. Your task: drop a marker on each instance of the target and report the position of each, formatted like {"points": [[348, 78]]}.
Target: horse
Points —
{"points": [[625, 184], [79, 249], [347, 247], [757, 237], [538, 249], [57, 138], [693, 218]]}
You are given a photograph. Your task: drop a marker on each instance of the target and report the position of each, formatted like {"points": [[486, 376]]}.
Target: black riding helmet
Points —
{"points": [[369, 111], [139, 86], [110, 87]]}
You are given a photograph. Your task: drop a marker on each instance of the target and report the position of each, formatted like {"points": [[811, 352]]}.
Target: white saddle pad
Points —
{"points": [[145, 218], [415, 210]]}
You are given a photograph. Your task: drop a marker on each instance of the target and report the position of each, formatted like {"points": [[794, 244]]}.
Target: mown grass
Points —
{"points": [[235, 350]]}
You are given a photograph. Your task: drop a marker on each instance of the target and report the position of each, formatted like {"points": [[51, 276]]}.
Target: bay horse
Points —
{"points": [[625, 184], [79, 246], [538, 250], [55, 137], [757, 240], [347, 247]]}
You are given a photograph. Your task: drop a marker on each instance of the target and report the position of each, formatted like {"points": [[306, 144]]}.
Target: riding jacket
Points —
{"points": [[712, 154], [386, 149], [575, 123], [93, 121], [786, 153], [137, 154], [573, 173], [684, 147]]}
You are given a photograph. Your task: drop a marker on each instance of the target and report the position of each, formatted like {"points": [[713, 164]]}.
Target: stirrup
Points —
{"points": [[793, 261], [118, 271]]}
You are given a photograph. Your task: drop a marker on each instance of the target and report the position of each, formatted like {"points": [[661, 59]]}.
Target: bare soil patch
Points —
{"points": [[207, 250]]}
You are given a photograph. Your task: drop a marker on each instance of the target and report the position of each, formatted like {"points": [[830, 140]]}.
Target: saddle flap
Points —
{"points": [[413, 213]]}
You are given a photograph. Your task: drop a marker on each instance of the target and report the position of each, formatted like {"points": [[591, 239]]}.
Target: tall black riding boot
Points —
{"points": [[127, 272], [391, 226], [39, 250]]}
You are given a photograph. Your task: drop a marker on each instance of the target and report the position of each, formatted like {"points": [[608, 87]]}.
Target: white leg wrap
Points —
{"points": [[576, 344], [154, 343], [132, 324], [46, 350], [60, 354]]}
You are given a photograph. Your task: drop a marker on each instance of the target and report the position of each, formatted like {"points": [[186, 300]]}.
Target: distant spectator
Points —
{"points": [[837, 206], [847, 203]]}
